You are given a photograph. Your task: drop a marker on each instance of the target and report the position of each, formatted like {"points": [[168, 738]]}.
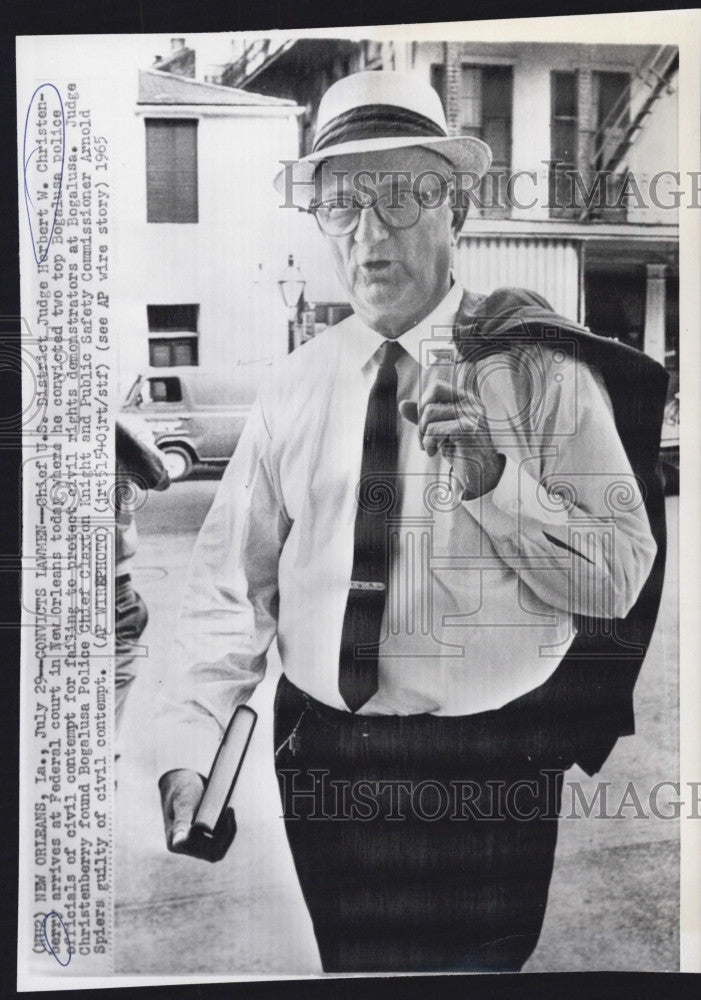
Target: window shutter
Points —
{"points": [[471, 100], [171, 170]]}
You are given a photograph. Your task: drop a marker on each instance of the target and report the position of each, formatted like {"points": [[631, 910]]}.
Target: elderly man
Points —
{"points": [[399, 515]]}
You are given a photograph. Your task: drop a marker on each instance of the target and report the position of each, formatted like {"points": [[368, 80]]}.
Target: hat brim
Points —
{"points": [[467, 155]]}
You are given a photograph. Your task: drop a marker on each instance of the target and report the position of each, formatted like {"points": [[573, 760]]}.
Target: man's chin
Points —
{"points": [[380, 301]]}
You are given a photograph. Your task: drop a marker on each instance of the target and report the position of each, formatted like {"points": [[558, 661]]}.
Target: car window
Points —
{"points": [[163, 390]]}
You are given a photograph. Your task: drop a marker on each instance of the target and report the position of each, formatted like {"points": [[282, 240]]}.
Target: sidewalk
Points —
{"points": [[614, 894]]}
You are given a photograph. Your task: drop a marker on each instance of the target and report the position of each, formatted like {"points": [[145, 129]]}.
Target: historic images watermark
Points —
{"points": [[317, 796], [555, 187]]}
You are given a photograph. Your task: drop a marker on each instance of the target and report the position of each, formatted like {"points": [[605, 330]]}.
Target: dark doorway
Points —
{"points": [[615, 303]]}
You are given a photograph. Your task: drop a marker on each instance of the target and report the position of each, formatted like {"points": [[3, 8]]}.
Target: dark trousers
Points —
{"points": [[418, 843]]}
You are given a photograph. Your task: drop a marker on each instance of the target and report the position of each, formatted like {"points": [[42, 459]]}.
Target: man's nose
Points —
{"points": [[371, 228]]}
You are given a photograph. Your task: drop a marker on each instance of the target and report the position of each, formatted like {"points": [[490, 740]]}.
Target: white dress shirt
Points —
{"points": [[482, 593]]}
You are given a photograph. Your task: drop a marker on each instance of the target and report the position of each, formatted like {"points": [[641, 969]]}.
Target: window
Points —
{"points": [[563, 140], [485, 108], [162, 390], [332, 312], [171, 170], [178, 323], [329, 313], [172, 351], [485, 111], [612, 102], [586, 154], [173, 318]]}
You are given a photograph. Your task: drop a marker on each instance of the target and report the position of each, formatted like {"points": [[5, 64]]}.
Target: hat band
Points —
{"points": [[376, 121]]}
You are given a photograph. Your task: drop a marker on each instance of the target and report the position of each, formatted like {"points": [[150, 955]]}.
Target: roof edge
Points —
{"points": [[259, 100]]}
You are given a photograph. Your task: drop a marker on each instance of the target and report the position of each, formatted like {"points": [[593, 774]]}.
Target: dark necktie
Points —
{"points": [[376, 495]]}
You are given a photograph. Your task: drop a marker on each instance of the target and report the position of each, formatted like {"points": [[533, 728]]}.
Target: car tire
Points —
{"points": [[178, 462]]}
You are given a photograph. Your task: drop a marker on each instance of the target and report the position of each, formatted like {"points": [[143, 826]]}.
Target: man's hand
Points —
{"points": [[453, 420], [181, 792]]}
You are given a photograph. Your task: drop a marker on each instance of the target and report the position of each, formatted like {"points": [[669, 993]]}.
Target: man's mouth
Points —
{"points": [[376, 268]]}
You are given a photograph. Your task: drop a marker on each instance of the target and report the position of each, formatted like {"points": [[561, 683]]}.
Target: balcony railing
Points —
{"points": [[598, 195]]}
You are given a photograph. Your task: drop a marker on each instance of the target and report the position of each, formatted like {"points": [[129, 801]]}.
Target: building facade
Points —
{"points": [[579, 203], [200, 241]]}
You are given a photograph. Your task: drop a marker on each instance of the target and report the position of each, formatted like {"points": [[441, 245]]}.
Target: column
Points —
{"points": [[586, 132], [654, 343], [452, 85]]}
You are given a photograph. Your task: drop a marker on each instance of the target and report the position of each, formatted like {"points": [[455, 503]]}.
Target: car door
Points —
{"points": [[221, 404]]}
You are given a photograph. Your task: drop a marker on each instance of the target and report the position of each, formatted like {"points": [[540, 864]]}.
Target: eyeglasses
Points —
{"points": [[398, 208]]}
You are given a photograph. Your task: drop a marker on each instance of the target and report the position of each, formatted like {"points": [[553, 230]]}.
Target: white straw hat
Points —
{"points": [[377, 110]]}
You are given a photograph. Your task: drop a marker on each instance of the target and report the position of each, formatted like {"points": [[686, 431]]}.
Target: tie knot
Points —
{"points": [[389, 353]]}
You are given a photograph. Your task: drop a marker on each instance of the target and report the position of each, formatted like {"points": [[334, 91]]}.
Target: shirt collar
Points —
{"points": [[360, 342]]}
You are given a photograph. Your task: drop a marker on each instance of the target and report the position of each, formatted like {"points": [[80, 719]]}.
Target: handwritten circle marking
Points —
{"points": [[49, 946]]}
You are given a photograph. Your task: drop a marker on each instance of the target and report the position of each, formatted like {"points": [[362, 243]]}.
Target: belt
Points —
{"points": [[364, 725]]}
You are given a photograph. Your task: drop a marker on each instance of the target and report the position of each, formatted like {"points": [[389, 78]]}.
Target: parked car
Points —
{"points": [[196, 415]]}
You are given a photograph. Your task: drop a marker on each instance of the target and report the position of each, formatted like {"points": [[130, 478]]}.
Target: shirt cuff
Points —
{"points": [[516, 496], [188, 745]]}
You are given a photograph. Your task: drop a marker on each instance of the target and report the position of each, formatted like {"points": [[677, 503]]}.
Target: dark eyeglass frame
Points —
{"points": [[376, 203]]}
